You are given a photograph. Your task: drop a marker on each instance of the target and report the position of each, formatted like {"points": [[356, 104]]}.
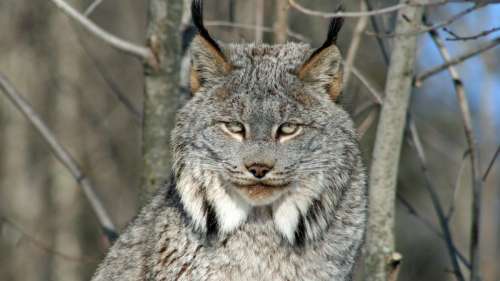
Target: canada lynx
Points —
{"points": [[268, 181]]}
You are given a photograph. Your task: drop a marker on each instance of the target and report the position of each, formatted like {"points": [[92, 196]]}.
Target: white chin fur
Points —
{"points": [[286, 218]]}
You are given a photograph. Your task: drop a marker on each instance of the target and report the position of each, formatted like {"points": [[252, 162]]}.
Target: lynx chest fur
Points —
{"points": [[267, 184]]}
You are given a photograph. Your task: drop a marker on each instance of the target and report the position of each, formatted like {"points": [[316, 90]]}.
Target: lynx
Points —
{"points": [[268, 182]]}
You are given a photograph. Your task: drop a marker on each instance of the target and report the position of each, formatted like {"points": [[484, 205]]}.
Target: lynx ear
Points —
{"points": [[322, 68], [208, 62]]}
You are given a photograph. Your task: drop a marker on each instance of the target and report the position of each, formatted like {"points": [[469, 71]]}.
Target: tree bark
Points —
{"points": [[161, 91], [381, 260], [281, 25]]}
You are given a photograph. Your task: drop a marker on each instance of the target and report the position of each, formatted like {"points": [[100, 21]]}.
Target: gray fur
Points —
{"points": [[202, 227]]}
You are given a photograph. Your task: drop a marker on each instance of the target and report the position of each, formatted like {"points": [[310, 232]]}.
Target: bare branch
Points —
{"points": [[138, 51], [425, 29], [436, 203], [386, 153], [394, 8], [62, 155], [453, 61], [451, 210], [492, 162], [115, 89], [259, 20], [366, 124], [413, 211], [456, 37], [355, 43], [290, 33], [281, 25], [43, 246], [91, 8], [310, 12], [377, 29], [377, 96], [477, 182]]}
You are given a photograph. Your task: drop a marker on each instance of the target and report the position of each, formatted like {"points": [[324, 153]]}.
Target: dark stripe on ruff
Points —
{"points": [[300, 232], [212, 224]]}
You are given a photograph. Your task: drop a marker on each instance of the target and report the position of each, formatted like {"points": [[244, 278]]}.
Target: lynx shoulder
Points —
{"points": [[268, 182]]}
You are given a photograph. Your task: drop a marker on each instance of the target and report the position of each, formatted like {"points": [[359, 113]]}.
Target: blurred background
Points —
{"points": [[47, 228]]}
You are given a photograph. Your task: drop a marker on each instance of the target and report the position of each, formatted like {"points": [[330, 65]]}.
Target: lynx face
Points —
{"points": [[263, 130]]}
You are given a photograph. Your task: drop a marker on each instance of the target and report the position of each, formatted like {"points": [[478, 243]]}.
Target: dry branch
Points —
{"points": [[355, 43], [138, 51], [91, 8], [162, 91], [62, 155], [281, 25], [42, 245], [490, 165], [425, 29], [474, 158], [413, 211], [377, 29], [456, 188], [384, 167], [477, 182], [456, 37], [453, 61], [115, 89], [397, 7], [259, 20], [436, 202], [377, 96], [290, 33]]}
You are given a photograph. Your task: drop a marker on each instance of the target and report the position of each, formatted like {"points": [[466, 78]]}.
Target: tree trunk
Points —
{"points": [[281, 25], [161, 91], [381, 260]]}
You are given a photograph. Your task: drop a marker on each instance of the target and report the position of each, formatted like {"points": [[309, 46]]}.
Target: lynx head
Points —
{"points": [[263, 130]]}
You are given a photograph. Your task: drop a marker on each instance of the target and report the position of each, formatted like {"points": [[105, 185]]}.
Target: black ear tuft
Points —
{"points": [[333, 31], [197, 15], [334, 28]]}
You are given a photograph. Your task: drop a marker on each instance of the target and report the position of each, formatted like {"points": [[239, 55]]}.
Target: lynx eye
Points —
{"points": [[287, 131], [234, 129]]}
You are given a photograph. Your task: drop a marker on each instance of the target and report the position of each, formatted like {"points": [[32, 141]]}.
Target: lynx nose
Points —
{"points": [[259, 170]]}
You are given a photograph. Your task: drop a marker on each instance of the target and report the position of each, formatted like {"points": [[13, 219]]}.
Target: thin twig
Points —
{"points": [[413, 211], [366, 124], [492, 162], [370, 119], [355, 43], [115, 89], [453, 61], [91, 8], [281, 25], [290, 33], [436, 202], [62, 155], [477, 183], [364, 108], [377, 96], [428, 28], [377, 29], [385, 10], [456, 37], [42, 245], [138, 51], [259, 20], [451, 210]]}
